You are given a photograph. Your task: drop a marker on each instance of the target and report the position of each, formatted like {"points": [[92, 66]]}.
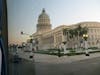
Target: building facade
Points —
{"points": [[48, 38]]}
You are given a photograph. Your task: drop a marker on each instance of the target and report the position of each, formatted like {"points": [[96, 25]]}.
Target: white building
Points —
{"points": [[48, 38]]}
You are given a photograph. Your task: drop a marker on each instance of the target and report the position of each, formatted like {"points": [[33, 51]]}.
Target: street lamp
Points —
{"points": [[31, 38], [22, 33], [85, 36], [33, 41]]}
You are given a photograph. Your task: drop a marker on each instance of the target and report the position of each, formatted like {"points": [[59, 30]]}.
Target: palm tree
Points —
{"points": [[81, 31], [75, 34], [72, 37], [79, 34]]}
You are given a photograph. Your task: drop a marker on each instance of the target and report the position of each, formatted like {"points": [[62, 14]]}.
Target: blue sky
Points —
{"points": [[23, 14]]}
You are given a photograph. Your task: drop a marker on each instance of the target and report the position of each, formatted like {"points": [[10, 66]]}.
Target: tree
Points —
{"points": [[81, 31], [77, 32]]}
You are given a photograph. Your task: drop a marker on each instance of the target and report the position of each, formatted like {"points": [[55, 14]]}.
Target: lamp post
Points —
{"points": [[85, 36], [22, 33], [30, 41]]}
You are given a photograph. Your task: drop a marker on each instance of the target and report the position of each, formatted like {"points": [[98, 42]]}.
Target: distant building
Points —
{"points": [[48, 38]]}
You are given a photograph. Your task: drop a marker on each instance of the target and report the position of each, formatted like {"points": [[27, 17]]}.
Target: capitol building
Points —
{"points": [[48, 38]]}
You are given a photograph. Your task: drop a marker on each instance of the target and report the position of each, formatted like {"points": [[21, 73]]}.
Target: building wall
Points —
{"points": [[55, 37], [93, 34]]}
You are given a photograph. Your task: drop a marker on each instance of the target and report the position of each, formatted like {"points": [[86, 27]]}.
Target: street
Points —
{"points": [[89, 66], [22, 68], [83, 67]]}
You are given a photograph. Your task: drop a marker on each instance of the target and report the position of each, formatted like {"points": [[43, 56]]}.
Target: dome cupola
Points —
{"points": [[43, 22], [43, 18]]}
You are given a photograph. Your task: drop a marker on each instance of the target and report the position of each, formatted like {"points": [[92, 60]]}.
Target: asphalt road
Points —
{"points": [[22, 68], [83, 67]]}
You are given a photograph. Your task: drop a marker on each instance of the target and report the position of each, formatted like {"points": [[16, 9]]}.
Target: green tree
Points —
{"points": [[76, 33], [81, 30]]}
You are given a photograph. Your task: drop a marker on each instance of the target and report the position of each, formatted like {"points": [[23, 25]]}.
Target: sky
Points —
{"points": [[23, 15]]}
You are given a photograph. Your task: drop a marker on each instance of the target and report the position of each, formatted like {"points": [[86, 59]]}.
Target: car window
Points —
{"points": [[54, 37]]}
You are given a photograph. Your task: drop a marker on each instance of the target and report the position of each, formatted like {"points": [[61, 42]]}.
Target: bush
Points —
{"points": [[71, 54], [72, 51], [93, 48], [69, 48], [94, 52], [53, 49]]}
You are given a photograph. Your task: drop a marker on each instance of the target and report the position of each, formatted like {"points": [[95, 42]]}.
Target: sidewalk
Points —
{"points": [[64, 59]]}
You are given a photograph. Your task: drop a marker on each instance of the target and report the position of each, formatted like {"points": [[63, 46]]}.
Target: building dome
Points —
{"points": [[43, 18], [43, 22]]}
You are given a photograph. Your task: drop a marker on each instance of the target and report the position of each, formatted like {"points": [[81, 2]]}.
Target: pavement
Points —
{"points": [[64, 59]]}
